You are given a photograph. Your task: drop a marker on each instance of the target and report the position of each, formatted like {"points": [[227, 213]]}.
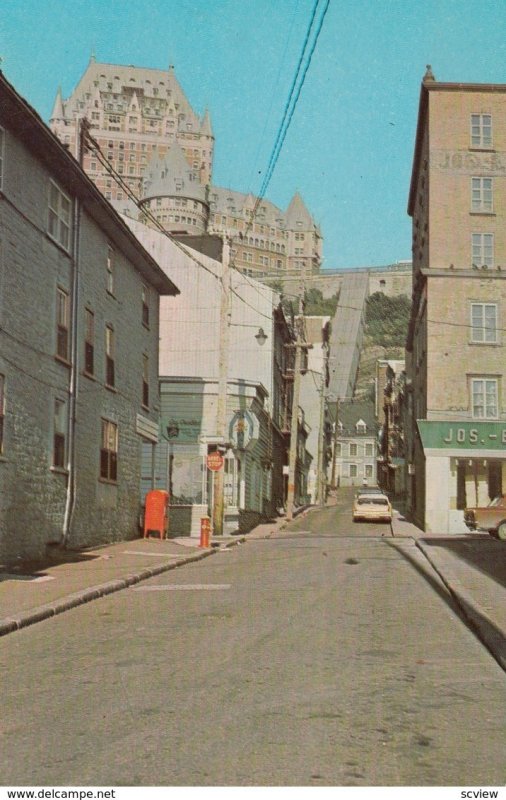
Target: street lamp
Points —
{"points": [[261, 337]]}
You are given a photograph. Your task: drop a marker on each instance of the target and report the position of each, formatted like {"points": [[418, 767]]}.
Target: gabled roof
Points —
{"points": [[205, 125], [351, 412], [57, 112], [297, 212], [149, 84], [24, 123]]}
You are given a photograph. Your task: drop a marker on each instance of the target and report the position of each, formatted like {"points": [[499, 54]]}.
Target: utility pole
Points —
{"points": [[321, 482], [221, 405], [334, 453], [294, 425]]}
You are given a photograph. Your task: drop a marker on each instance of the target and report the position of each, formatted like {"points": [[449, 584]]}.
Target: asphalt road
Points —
{"points": [[327, 655]]}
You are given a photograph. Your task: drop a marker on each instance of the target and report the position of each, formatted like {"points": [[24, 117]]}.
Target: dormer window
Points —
{"points": [[361, 427]]}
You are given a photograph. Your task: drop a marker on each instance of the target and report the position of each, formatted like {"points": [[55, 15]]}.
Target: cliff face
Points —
{"points": [[387, 320]]}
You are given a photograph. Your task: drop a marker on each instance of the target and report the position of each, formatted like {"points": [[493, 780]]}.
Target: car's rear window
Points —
{"points": [[372, 501]]}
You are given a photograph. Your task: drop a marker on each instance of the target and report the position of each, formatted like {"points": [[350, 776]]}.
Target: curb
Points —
{"points": [[492, 637], [23, 620]]}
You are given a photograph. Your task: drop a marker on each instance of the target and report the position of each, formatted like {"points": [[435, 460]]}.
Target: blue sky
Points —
{"points": [[350, 145]]}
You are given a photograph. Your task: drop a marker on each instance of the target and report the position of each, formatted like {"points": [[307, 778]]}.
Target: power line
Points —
{"points": [[290, 106], [95, 147], [266, 179], [301, 84]]}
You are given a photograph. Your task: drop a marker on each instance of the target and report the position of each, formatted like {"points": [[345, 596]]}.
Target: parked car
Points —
{"points": [[375, 507], [368, 490], [491, 518]]}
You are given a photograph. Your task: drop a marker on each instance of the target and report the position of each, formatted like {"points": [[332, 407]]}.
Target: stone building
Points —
{"points": [[79, 327], [455, 351], [355, 444], [147, 130], [390, 411]]}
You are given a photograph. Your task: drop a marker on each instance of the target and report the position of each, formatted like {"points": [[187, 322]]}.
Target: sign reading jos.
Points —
{"points": [[462, 435]]}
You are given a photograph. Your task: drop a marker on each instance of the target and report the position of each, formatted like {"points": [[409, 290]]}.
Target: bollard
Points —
{"points": [[205, 531]]}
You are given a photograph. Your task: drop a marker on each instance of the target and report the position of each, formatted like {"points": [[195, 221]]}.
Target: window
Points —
{"points": [[353, 449], [145, 381], [89, 341], [481, 130], [58, 223], [338, 449], [484, 397], [145, 306], [368, 471], [59, 428], [109, 356], [62, 324], [353, 470], [2, 412], [484, 322], [482, 249], [481, 194], [109, 451], [369, 450], [2, 140], [110, 270]]}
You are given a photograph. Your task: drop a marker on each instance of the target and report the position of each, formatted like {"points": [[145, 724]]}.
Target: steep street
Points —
{"points": [[328, 654]]}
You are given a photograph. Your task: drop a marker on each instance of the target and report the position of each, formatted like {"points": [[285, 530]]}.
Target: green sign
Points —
{"points": [[181, 430], [462, 435]]}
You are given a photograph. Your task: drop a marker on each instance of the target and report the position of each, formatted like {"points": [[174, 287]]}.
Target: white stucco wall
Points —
{"points": [[189, 322]]}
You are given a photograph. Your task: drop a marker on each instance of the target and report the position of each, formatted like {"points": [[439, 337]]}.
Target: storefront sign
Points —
{"points": [[182, 430], [462, 435]]}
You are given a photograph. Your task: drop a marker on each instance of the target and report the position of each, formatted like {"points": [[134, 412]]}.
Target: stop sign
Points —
{"points": [[214, 461]]}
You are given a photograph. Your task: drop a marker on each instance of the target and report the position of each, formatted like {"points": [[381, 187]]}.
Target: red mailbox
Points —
{"points": [[156, 515]]}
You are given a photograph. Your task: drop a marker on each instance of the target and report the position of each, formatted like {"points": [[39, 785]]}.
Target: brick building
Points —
{"points": [[456, 366], [78, 348]]}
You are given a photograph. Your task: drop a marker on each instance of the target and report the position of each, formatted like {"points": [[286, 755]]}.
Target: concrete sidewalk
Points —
{"points": [[30, 593], [473, 568]]}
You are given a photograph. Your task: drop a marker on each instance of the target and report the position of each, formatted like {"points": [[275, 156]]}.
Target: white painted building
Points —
{"points": [[257, 396]]}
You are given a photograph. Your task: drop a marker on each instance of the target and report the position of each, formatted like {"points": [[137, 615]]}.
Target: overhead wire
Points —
{"points": [[290, 106], [95, 147]]}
